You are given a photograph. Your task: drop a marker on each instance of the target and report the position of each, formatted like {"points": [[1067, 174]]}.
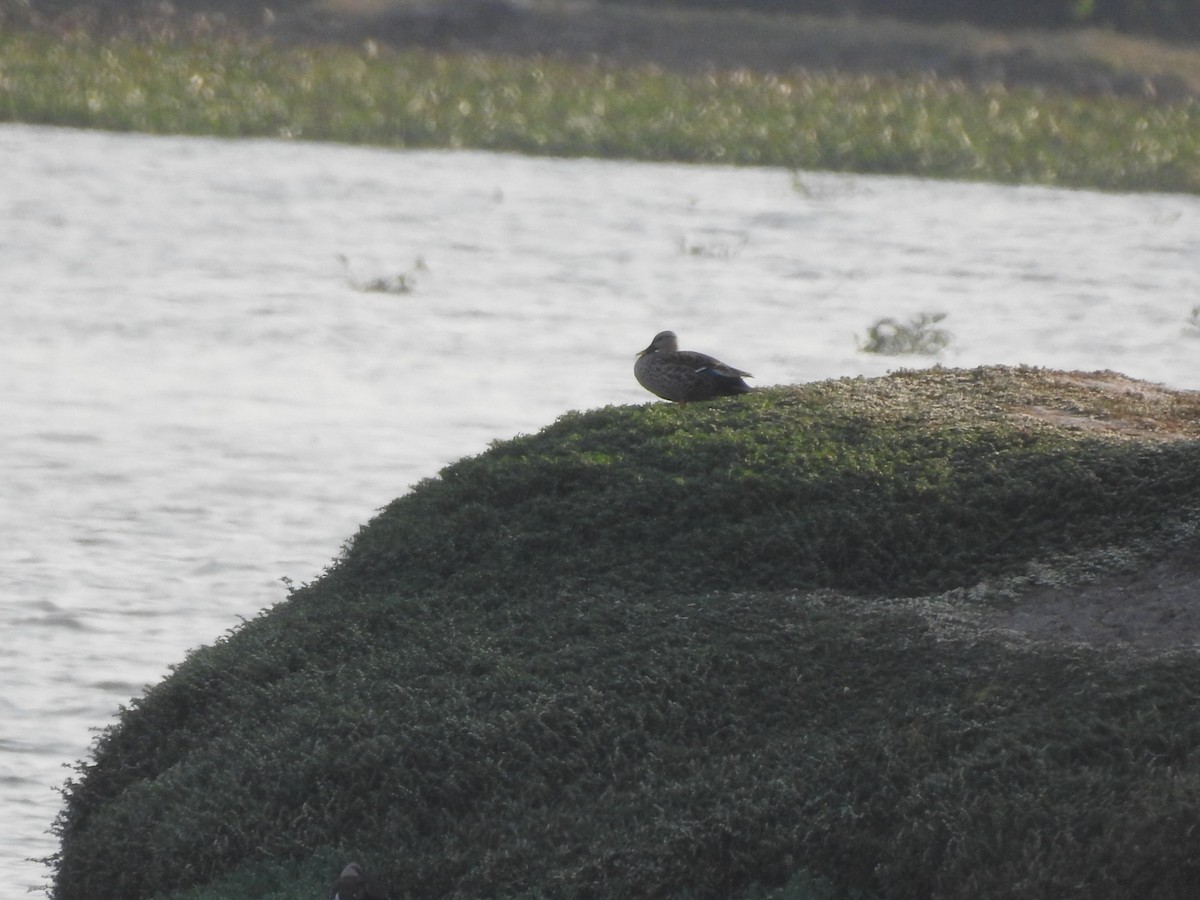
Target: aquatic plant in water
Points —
{"points": [[1192, 328], [919, 336], [400, 283]]}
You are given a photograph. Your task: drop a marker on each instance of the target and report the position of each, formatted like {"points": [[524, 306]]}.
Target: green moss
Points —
{"points": [[839, 486], [670, 651]]}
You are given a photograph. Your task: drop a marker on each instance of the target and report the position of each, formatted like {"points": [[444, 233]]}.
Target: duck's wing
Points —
{"points": [[704, 364]]}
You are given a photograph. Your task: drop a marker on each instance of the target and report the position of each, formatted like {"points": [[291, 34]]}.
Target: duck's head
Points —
{"points": [[664, 342]]}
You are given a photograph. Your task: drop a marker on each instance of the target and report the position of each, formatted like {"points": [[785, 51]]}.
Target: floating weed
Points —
{"points": [[800, 184], [402, 283], [1192, 326], [919, 336], [714, 249]]}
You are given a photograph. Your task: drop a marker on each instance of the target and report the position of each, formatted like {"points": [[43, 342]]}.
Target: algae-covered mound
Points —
{"points": [[744, 648]]}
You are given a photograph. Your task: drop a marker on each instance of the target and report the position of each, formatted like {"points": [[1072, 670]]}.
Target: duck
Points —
{"points": [[683, 376]]}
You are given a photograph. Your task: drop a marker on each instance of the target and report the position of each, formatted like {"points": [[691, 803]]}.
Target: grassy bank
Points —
{"points": [[238, 86], [712, 651]]}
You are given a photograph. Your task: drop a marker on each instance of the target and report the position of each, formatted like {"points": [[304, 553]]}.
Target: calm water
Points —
{"points": [[195, 401]]}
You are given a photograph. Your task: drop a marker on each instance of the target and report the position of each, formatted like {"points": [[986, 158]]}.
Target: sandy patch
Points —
{"points": [[1155, 608], [1122, 406]]}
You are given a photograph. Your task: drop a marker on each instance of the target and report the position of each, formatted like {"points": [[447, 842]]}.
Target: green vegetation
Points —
{"points": [[737, 649], [235, 86], [920, 336]]}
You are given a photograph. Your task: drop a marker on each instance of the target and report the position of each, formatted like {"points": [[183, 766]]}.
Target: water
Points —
{"points": [[195, 401]]}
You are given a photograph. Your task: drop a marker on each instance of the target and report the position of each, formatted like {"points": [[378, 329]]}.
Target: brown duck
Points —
{"points": [[685, 375]]}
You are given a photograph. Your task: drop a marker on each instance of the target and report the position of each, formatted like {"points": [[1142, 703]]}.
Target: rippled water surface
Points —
{"points": [[197, 398]]}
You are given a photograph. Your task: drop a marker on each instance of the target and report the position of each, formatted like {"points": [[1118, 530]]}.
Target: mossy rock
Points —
{"points": [[756, 647]]}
